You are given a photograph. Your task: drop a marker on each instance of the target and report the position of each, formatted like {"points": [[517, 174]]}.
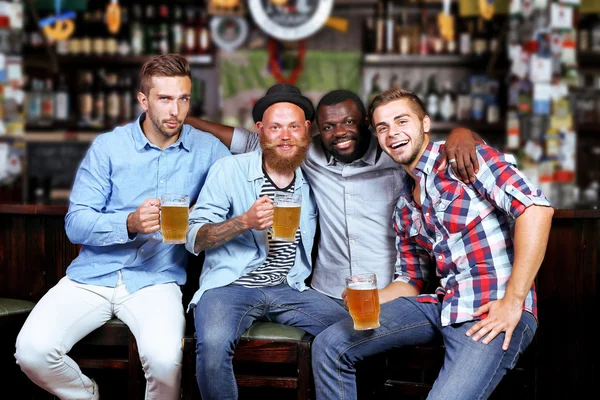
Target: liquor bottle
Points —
{"points": [[448, 103], [584, 34], [99, 110], [151, 30], [34, 103], [478, 98], [379, 29], [465, 44], [177, 31], [404, 34], [163, 30], [85, 99], [113, 103], [464, 102], [390, 41], [190, 32], [62, 101], [433, 99], [375, 88], [419, 91], [394, 82], [137, 31], [436, 42], [595, 35], [125, 98], [47, 117], [480, 41], [423, 37], [204, 41], [493, 35]]}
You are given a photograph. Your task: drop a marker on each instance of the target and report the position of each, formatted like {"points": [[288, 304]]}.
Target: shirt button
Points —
{"points": [[153, 236], [141, 250], [352, 241], [161, 181], [440, 257], [427, 214], [448, 291]]}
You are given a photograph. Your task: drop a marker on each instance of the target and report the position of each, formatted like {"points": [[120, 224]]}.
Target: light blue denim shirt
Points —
{"points": [[233, 185], [120, 170]]}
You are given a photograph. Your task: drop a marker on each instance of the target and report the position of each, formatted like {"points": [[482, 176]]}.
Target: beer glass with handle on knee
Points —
{"points": [[286, 219], [174, 217], [363, 301]]}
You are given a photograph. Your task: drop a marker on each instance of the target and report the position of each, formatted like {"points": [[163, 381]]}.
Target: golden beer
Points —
{"points": [[286, 221], [174, 223], [363, 301]]}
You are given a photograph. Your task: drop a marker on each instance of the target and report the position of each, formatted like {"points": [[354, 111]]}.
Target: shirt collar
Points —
{"points": [[141, 140], [429, 159], [370, 156]]}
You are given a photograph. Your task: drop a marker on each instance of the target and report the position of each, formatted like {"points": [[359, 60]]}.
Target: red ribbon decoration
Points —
{"points": [[274, 64]]}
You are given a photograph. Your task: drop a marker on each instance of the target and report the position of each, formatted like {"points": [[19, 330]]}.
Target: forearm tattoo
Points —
{"points": [[214, 235]]}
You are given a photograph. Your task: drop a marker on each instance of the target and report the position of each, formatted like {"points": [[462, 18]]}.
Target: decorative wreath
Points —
{"points": [[275, 60]]}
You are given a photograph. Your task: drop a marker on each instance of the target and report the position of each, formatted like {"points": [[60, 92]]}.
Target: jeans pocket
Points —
{"points": [[526, 337]]}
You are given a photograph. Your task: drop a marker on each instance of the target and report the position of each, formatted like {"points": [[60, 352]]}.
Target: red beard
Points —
{"points": [[286, 163]]}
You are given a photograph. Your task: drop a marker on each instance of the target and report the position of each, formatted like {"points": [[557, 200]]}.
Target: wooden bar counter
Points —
{"points": [[35, 252]]}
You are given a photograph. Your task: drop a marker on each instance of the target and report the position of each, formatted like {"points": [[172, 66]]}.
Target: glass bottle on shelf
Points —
{"points": [[177, 30], [379, 29], [62, 101], [464, 102], [404, 34], [151, 30], [390, 37], [465, 44], [99, 110], [47, 117], [137, 31], [423, 36], [34, 102], [480, 42], [85, 99], [448, 103], [125, 99], [113, 103], [375, 88], [433, 99], [190, 32], [203, 32], [163, 29]]}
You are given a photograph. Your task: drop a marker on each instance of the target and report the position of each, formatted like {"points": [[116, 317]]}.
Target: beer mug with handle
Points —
{"points": [[286, 219], [174, 217], [363, 301]]}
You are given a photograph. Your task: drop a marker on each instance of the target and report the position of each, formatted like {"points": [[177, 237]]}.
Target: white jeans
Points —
{"points": [[70, 310]]}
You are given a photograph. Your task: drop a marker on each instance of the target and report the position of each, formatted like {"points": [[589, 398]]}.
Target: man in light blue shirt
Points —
{"points": [[248, 274], [124, 269]]}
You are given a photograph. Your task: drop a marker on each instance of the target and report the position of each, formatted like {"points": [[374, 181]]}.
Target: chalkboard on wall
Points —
{"points": [[56, 161]]}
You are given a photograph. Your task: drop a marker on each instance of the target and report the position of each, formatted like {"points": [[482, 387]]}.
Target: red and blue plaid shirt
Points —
{"points": [[465, 229]]}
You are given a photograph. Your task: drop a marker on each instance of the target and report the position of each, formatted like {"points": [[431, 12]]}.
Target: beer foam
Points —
{"points": [[360, 286], [288, 205], [174, 205]]}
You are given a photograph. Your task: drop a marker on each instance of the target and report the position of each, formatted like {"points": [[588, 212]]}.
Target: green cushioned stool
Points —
{"points": [[264, 343], [14, 310]]}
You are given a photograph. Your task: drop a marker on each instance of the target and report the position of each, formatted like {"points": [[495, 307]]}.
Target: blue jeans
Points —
{"points": [[223, 314], [471, 369]]}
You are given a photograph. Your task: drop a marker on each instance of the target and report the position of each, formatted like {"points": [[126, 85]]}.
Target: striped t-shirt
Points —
{"points": [[281, 256]]}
